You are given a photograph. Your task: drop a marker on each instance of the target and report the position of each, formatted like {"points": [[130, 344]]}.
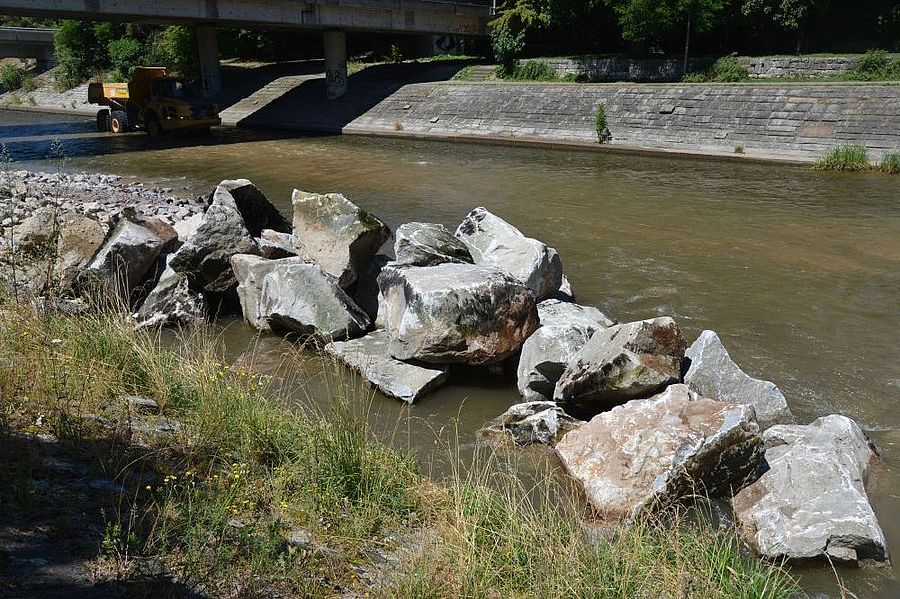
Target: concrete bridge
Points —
{"points": [[24, 42], [334, 17]]}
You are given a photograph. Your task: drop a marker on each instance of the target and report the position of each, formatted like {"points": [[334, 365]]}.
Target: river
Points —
{"points": [[798, 271]]}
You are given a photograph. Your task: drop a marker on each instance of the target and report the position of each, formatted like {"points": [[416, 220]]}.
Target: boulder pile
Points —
{"points": [[637, 417]]}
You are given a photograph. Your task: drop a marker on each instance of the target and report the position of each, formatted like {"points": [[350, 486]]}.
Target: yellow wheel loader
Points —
{"points": [[153, 101]]}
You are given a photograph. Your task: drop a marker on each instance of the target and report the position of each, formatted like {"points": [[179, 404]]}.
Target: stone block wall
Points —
{"points": [[600, 70], [797, 122], [670, 69], [772, 67]]}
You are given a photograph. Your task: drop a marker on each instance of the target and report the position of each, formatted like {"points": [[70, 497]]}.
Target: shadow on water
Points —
{"points": [[79, 138]]}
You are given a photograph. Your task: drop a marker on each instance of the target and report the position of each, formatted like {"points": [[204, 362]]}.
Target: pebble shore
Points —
{"points": [[98, 196]]}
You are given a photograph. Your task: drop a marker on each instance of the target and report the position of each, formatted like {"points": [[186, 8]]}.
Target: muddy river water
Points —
{"points": [[798, 271]]}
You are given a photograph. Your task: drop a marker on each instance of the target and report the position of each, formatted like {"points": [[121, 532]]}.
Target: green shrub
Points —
{"points": [[702, 77], [396, 55], [601, 125], [529, 70], [728, 69], [79, 52], [507, 48], [875, 65], [175, 48], [28, 83], [890, 164], [125, 55], [11, 77], [845, 158]]}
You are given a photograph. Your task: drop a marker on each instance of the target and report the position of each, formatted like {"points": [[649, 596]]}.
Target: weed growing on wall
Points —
{"points": [[601, 125]]}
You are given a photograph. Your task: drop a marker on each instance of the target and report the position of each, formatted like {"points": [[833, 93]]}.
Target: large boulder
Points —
{"points": [[249, 271], [296, 296], [79, 239], [565, 328], [428, 244], [650, 453], [713, 374], [171, 303], [206, 255], [129, 251], [255, 208], [623, 362], [812, 501], [370, 356], [494, 242], [337, 234], [530, 423], [455, 313]]}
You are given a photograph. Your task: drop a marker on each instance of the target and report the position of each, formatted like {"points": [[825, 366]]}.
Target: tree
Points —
{"points": [[790, 15], [651, 20]]}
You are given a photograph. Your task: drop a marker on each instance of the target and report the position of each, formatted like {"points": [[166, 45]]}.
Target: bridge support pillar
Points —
{"points": [[208, 45], [335, 64]]}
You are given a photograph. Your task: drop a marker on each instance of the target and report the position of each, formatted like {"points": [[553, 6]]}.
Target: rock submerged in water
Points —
{"points": [[650, 453], [564, 329], [713, 374], [428, 244], [494, 242], [811, 502], [530, 423], [296, 296], [206, 255], [336, 233], [620, 363], [455, 313], [369, 356]]}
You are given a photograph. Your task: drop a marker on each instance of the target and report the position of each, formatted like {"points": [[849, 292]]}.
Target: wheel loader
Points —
{"points": [[153, 101]]}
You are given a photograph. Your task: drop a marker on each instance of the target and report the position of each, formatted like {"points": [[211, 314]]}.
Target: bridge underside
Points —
{"points": [[391, 16]]}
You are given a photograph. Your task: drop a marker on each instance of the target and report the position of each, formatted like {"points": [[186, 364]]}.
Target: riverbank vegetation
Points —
{"points": [[232, 492], [856, 159]]}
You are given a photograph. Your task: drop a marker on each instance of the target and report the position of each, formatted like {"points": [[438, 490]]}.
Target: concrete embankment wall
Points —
{"points": [[790, 122]]}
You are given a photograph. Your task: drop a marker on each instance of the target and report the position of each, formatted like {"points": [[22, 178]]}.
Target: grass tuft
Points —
{"points": [[890, 164], [845, 158]]}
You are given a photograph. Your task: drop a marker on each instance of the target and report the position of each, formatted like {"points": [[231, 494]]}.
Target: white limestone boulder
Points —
{"points": [[812, 502], [620, 363], [428, 244], [455, 313], [564, 329], [336, 233], [371, 357], [494, 242], [529, 423], [296, 296], [131, 248], [206, 255], [713, 374], [257, 212], [171, 303], [650, 453]]}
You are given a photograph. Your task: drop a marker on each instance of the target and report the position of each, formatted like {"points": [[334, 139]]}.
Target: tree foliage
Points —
{"points": [[653, 20], [86, 50]]}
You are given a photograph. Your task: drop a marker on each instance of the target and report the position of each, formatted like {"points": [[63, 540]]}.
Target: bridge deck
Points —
{"points": [[443, 17]]}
